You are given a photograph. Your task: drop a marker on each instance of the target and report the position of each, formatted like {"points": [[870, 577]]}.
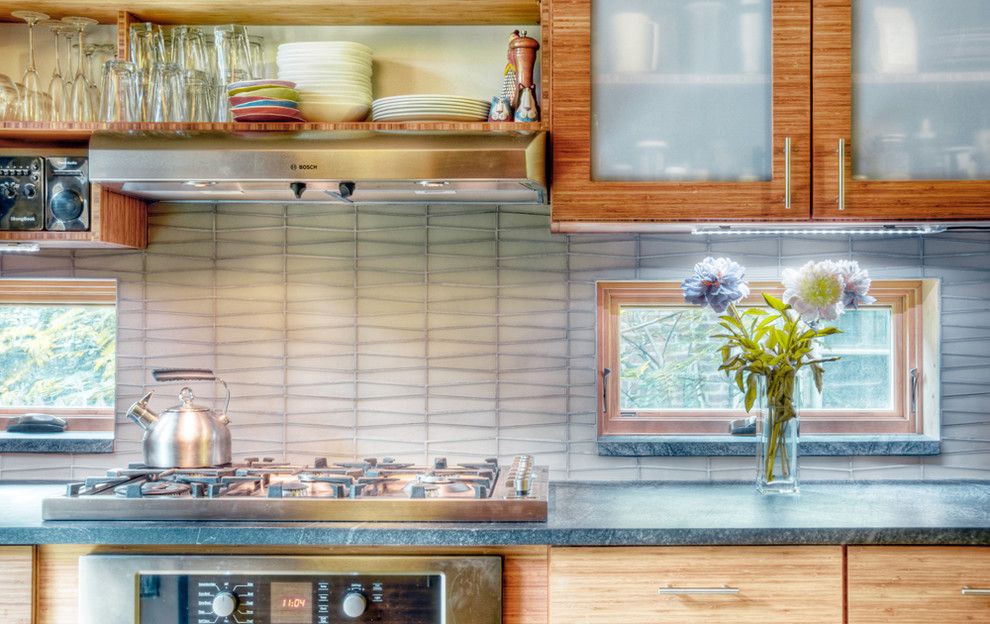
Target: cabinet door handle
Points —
{"points": [[975, 591], [709, 591], [787, 173], [842, 174]]}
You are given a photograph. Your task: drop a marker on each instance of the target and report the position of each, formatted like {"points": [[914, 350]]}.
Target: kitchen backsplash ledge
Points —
{"points": [[463, 331]]}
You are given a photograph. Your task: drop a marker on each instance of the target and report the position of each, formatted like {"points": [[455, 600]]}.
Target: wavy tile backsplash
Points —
{"points": [[462, 331]]}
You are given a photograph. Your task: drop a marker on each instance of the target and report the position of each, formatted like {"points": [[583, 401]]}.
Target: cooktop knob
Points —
{"points": [[354, 604], [224, 604]]}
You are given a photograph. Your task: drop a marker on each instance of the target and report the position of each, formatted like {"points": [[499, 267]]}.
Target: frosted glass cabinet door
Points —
{"points": [[681, 90], [681, 110], [905, 85], [921, 90]]}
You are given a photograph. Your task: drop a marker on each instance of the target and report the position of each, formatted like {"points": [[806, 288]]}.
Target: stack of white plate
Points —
{"points": [[333, 78], [429, 108]]}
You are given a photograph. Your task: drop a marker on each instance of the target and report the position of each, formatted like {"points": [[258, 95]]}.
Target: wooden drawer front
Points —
{"points": [[16, 584], [611, 585], [918, 584]]}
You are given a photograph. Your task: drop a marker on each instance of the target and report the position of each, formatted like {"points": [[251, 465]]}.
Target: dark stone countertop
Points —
{"points": [[587, 513]]}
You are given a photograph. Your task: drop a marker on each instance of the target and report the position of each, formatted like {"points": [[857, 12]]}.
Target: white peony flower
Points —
{"points": [[855, 285], [815, 291]]}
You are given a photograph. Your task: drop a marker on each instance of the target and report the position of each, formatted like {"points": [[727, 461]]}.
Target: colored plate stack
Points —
{"points": [[429, 108], [264, 101], [333, 78]]}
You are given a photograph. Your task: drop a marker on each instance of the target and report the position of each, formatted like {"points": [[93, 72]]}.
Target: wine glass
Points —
{"points": [[31, 103], [80, 104], [56, 86]]}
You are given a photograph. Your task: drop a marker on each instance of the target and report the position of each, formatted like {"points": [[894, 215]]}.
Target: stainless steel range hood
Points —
{"points": [[358, 167]]}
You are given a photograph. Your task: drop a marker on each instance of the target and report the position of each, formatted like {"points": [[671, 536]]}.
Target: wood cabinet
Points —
{"points": [[16, 584], [595, 98], [904, 88], [918, 584], [730, 585], [909, 119]]}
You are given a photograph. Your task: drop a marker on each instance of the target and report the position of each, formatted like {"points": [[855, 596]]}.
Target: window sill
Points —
{"points": [[66, 442], [712, 446]]}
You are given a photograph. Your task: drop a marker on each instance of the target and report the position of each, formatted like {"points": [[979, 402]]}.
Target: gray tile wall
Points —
{"points": [[458, 331]]}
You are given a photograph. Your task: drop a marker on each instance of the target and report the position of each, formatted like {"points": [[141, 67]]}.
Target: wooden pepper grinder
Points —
{"points": [[522, 55]]}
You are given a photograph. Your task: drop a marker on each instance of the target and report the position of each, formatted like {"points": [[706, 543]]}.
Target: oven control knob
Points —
{"points": [[30, 190], [354, 604], [224, 604]]}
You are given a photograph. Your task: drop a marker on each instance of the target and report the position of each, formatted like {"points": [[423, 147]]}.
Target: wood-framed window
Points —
{"points": [[657, 364], [58, 340]]}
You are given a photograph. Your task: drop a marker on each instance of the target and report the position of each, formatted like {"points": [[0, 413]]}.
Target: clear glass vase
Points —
{"points": [[777, 428]]}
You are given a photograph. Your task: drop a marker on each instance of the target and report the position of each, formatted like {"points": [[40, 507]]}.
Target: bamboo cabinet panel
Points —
{"points": [[696, 584], [673, 111], [918, 584], [16, 584], [905, 88]]}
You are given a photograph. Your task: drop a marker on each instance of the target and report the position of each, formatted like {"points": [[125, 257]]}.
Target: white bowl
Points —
{"points": [[322, 56], [309, 69], [335, 111], [325, 53], [324, 45]]}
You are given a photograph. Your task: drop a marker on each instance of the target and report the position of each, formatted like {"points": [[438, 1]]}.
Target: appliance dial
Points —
{"points": [[224, 604], [30, 190], [10, 190], [354, 604]]}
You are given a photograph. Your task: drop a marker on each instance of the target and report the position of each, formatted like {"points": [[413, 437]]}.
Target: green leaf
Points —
{"points": [[828, 331], [739, 380], [755, 312], [774, 302], [750, 391]]}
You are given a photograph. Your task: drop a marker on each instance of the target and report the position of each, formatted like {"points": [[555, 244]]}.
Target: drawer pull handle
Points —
{"points": [[710, 591], [975, 591]]}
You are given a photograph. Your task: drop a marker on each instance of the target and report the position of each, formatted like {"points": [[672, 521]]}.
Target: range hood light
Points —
{"points": [[199, 183], [883, 230], [20, 247]]}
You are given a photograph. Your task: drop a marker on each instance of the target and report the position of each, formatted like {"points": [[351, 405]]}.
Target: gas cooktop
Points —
{"points": [[262, 489]]}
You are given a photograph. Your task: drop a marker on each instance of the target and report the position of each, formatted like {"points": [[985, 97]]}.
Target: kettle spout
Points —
{"points": [[142, 415]]}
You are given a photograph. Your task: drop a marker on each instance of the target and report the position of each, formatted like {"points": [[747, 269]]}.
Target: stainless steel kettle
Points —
{"points": [[187, 435]]}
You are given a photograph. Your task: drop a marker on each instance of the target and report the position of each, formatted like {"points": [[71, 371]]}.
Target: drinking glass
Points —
{"points": [[119, 100], [186, 48], [198, 96], [167, 94], [147, 47], [256, 47], [31, 104], [97, 55], [56, 86], [233, 53], [80, 102], [9, 101]]}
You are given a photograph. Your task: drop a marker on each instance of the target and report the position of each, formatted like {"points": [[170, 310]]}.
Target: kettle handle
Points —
{"points": [[192, 374]]}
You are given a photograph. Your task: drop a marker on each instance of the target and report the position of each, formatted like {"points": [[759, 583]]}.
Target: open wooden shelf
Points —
{"points": [[293, 12], [70, 132]]}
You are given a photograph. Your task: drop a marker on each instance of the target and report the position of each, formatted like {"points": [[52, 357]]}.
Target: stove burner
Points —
{"points": [[294, 490], [152, 488]]}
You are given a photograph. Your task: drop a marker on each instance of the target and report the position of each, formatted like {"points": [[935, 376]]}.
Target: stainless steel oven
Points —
{"points": [[229, 589]]}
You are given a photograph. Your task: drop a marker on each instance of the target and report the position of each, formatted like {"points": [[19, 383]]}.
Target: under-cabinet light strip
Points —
{"points": [[877, 231]]}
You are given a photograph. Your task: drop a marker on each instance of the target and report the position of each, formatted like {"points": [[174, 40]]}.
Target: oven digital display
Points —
{"points": [[291, 603]]}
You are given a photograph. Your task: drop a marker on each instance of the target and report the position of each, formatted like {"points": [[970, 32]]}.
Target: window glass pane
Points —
{"points": [[668, 361], [57, 355]]}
